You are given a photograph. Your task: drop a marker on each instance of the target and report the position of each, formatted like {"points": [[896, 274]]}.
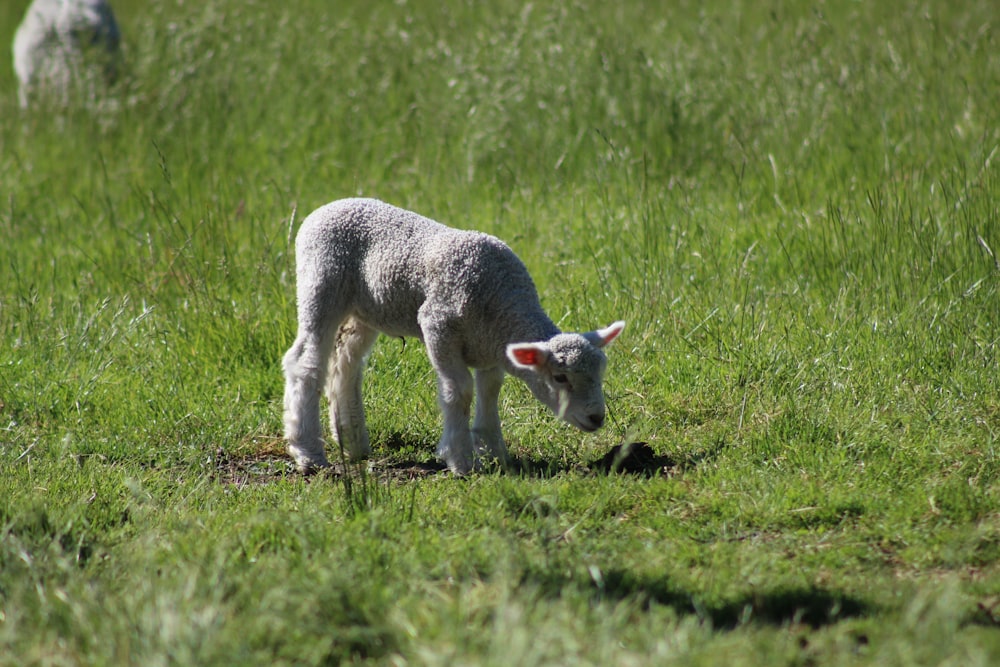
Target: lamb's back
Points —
{"points": [[377, 242], [395, 262], [388, 246]]}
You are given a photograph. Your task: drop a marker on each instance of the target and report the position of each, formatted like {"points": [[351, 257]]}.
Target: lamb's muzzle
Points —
{"points": [[365, 267]]}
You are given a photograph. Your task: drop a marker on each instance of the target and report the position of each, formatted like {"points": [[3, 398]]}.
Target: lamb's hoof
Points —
{"points": [[461, 470], [308, 463], [460, 460], [312, 467], [460, 467]]}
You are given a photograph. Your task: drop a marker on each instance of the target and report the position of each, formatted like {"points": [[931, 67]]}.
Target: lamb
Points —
{"points": [[364, 267], [62, 44]]}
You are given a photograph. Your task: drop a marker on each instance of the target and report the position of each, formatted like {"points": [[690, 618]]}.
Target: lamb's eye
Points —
{"points": [[560, 378]]}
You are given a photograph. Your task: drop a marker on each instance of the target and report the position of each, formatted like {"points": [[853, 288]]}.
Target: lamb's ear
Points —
{"points": [[604, 336], [528, 355]]}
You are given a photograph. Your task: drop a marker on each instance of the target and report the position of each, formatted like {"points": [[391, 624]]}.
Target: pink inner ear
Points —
{"points": [[527, 356], [612, 332]]}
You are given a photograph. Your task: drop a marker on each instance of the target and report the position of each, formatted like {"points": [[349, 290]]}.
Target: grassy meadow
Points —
{"points": [[795, 206]]}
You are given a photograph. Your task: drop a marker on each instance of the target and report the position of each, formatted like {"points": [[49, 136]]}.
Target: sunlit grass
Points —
{"points": [[793, 207]]}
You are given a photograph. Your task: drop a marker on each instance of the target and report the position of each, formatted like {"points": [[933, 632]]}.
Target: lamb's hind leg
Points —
{"points": [[320, 313], [343, 388], [305, 367]]}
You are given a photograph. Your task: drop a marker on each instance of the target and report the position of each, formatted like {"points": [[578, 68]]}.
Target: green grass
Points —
{"points": [[793, 205]]}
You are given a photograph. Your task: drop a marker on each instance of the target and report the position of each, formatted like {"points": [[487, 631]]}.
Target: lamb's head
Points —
{"points": [[566, 373]]}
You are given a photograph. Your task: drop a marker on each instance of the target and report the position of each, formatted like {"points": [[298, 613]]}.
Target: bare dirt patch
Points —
{"points": [[268, 465], [266, 462]]}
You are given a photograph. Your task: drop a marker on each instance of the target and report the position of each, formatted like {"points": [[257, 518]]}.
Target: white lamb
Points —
{"points": [[364, 267], [62, 44]]}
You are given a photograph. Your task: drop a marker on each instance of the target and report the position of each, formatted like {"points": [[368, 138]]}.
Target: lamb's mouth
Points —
{"points": [[587, 427]]}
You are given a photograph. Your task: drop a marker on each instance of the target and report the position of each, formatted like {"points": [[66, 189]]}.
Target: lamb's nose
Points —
{"points": [[597, 419]]}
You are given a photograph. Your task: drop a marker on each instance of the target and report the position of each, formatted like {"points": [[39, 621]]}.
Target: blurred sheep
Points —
{"points": [[65, 46]]}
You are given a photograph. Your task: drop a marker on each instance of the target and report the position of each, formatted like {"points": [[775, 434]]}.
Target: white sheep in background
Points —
{"points": [[364, 267], [63, 44]]}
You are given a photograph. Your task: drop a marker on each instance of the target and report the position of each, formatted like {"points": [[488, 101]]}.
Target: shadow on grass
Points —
{"points": [[638, 458], [407, 463], [815, 607], [632, 458], [32, 530], [812, 606]]}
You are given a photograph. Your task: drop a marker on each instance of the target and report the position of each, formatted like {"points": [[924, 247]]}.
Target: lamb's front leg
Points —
{"points": [[487, 438], [455, 388], [455, 398]]}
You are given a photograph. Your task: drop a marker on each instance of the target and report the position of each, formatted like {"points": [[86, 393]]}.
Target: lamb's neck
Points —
{"points": [[531, 327]]}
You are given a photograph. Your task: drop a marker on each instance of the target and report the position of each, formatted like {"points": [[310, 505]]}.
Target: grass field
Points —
{"points": [[795, 206]]}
